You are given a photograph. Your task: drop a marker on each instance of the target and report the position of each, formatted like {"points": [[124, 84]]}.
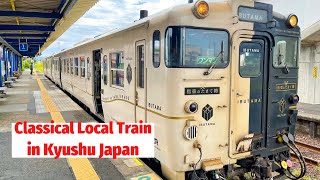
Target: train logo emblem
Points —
{"points": [[282, 105], [129, 74], [207, 112]]}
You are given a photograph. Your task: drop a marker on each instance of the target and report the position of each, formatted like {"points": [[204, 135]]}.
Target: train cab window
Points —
{"points": [[250, 59], [105, 70], [71, 66], [68, 67], [156, 49], [88, 68], [76, 68], [196, 48], [285, 52], [117, 69], [82, 67]]}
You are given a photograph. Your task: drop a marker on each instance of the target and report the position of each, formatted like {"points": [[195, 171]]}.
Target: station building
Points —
{"points": [[309, 65]]}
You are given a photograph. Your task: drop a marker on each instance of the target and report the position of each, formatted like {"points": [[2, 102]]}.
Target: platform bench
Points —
{"points": [[13, 79], [2, 91], [8, 84], [16, 74]]}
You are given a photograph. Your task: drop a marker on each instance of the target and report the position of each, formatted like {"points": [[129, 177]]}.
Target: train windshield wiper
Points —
{"points": [[220, 55], [286, 68]]}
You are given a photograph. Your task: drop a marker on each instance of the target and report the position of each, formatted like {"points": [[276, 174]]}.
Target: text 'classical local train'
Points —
{"points": [[218, 80]]}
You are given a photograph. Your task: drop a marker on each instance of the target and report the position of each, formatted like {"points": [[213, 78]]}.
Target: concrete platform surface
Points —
{"points": [[24, 102], [310, 112]]}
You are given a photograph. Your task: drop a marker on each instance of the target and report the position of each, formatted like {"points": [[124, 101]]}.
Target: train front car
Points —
{"points": [[231, 71]]}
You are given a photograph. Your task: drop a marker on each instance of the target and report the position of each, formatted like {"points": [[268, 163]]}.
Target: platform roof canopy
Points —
{"points": [[38, 22], [311, 35]]}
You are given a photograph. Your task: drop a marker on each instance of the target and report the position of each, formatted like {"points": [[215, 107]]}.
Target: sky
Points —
{"points": [[107, 15]]}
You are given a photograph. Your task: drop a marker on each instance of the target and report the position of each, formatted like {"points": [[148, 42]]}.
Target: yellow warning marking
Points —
{"points": [[137, 161], [292, 107], [315, 72], [81, 167], [151, 176]]}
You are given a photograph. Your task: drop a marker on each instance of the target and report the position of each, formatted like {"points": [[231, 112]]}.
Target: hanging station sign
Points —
{"points": [[23, 47]]}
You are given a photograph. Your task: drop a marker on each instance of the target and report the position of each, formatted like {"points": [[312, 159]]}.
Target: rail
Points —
{"points": [[311, 148]]}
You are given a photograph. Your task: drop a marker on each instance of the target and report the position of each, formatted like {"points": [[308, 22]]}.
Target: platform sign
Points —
{"points": [[23, 47]]}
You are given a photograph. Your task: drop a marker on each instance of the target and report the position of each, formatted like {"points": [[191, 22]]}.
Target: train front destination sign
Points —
{"points": [[201, 90], [253, 15]]}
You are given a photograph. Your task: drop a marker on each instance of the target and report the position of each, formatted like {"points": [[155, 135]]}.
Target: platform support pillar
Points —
{"points": [[5, 57], [1, 69], [14, 62], [11, 63], [313, 129], [20, 63]]}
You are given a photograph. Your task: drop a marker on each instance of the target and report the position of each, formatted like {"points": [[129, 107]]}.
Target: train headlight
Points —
{"points": [[201, 9], [292, 21], [294, 98], [191, 107]]}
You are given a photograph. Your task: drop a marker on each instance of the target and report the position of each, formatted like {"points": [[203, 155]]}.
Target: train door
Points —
{"points": [[140, 80], [60, 71], [97, 81], [249, 76]]}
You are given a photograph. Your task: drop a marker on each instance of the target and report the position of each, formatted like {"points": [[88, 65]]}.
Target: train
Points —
{"points": [[218, 80]]}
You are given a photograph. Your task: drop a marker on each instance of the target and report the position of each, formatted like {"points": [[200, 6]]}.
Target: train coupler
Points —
{"points": [[262, 168]]}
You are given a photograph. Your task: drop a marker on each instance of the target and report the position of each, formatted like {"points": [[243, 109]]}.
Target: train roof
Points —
{"points": [[139, 23], [146, 21]]}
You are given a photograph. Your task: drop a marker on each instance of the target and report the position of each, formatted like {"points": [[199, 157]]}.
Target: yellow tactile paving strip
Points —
{"points": [[81, 167]]}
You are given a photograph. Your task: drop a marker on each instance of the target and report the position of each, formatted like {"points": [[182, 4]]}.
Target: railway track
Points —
{"points": [[311, 148]]}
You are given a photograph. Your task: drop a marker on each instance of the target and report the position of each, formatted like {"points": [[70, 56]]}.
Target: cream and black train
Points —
{"points": [[218, 79]]}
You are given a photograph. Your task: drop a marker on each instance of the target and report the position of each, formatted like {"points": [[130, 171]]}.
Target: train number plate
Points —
{"points": [[201, 90]]}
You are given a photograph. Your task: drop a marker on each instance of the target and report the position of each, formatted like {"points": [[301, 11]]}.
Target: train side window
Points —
{"points": [[117, 69], [76, 69], [68, 67], [88, 68], [156, 49], [105, 70], [83, 67], [250, 59], [141, 66], [64, 65], [71, 66]]}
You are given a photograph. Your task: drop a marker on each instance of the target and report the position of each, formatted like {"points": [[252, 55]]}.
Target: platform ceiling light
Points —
{"points": [[292, 21], [201, 9]]}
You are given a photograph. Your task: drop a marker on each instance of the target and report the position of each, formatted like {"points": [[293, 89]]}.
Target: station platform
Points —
{"points": [[309, 111], [34, 98], [309, 119]]}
